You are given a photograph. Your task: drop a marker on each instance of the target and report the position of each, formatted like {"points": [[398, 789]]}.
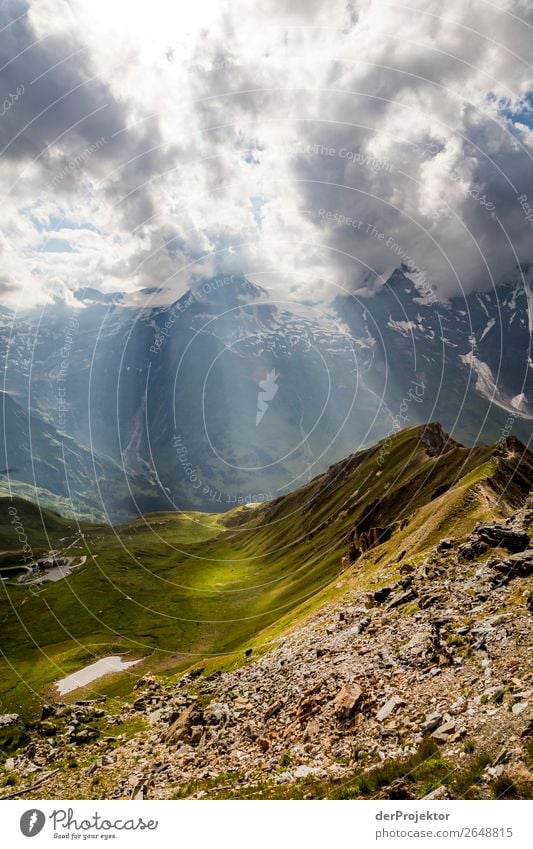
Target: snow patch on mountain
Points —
{"points": [[403, 327], [490, 324], [529, 296], [484, 378], [520, 402], [480, 300]]}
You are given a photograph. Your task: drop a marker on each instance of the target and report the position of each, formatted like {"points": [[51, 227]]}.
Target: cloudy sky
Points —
{"points": [[312, 144]]}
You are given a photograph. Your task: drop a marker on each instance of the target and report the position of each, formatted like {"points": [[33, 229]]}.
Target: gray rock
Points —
{"points": [[439, 793], [273, 709], [389, 708], [7, 719], [84, 735], [420, 642], [443, 732], [217, 713], [304, 771], [181, 726], [403, 598], [432, 721]]}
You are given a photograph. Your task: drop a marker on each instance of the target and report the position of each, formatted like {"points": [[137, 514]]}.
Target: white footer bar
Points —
{"points": [[268, 825]]}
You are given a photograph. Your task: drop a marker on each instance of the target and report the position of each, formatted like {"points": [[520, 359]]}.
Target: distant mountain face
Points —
{"points": [[230, 395], [47, 466], [472, 354]]}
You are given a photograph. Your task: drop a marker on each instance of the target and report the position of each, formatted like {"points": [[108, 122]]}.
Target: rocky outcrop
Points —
{"points": [[518, 565], [436, 441], [7, 720], [362, 540], [487, 536], [500, 536]]}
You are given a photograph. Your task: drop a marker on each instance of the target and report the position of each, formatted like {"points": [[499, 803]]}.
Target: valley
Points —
{"points": [[206, 603]]}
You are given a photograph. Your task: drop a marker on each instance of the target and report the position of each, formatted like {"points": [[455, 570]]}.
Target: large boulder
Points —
{"points": [[443, 732], [347, 701], [431, 722], [84, 735], [217, 713]]}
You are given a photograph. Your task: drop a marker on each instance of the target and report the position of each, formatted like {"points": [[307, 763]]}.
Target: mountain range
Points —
{"points": [[232, 395]]}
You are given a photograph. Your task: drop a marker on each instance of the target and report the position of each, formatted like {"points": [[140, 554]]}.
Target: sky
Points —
{"points": [[313, 145]]}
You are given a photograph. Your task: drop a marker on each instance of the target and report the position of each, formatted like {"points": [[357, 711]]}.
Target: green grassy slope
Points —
{"points": [[176, 588]]}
